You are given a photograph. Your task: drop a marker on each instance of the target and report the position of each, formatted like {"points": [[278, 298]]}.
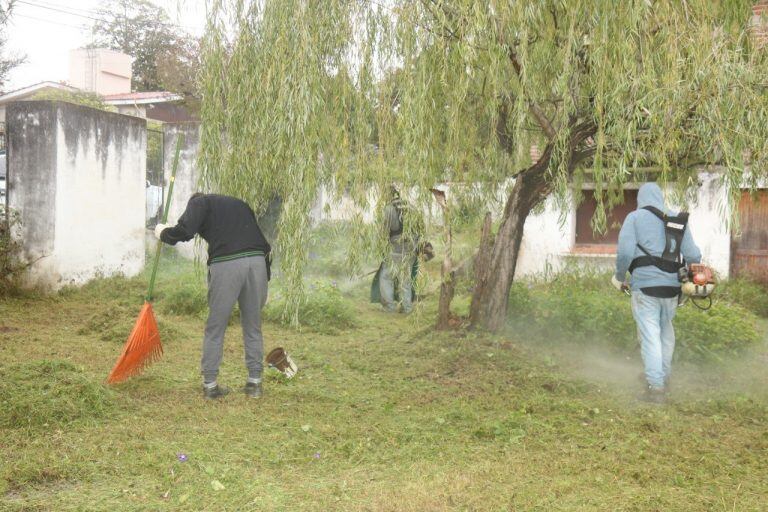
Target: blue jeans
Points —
{"points": [[396, 272], [657, 335]]}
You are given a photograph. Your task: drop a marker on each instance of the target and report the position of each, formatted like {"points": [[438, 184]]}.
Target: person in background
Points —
{"points": [[653, 246], [397, 270], [238, 271]]}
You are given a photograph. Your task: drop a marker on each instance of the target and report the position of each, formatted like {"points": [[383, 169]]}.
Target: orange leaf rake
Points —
{"points": [[143, 346]]}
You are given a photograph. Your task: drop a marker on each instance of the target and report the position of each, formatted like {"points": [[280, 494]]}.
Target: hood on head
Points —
{"points": [[650, 195]]}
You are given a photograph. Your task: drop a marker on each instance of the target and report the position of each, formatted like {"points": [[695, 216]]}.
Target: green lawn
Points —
{"points": [[386, 416]]}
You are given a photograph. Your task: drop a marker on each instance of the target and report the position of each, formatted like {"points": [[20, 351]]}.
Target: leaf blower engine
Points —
{"points": [[697, 283]]}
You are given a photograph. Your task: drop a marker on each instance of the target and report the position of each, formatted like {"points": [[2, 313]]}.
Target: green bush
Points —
{"points": [[746, 293], [584, 308], [11, 265], [562, 310], [325, 310], [723, 329], [49, 394], [186, 299]]}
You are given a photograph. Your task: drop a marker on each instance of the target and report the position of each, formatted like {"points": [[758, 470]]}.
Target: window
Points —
{"points": [[586, 238]]}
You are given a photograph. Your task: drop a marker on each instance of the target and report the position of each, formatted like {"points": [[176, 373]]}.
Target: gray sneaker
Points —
{"points": [[252, 390], [215, 393]]}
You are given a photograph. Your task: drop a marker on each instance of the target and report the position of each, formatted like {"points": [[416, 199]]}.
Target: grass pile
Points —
{"points": [[49, 394]]}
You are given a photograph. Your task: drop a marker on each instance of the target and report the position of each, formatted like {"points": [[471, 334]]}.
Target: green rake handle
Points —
{"points": [[179, 141]]}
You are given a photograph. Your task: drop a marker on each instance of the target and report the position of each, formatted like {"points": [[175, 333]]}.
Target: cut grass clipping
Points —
{"points": [[48, 394], [113, 324]]}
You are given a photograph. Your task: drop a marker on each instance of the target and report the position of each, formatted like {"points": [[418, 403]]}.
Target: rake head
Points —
{"points": [[141, 348]]}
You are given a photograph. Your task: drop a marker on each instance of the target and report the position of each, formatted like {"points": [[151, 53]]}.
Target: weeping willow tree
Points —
{"points": [[356, 95]]}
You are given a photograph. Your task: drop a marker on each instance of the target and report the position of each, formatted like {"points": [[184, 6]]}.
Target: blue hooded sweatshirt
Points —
{"points": [[644, 228]]}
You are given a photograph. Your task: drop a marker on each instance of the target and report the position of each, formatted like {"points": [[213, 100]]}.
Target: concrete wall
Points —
{"points": [[132, 110], [77, 179], [547, 244], [708, 223], [186, 176]]}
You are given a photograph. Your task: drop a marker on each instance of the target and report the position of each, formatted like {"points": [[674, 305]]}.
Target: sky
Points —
{"points": [[45, 31]]}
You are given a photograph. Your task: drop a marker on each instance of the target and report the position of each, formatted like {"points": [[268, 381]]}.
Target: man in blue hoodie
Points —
{"points": [[655, 290]]}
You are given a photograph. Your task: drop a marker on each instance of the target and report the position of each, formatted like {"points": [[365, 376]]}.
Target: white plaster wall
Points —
{"points": [[100, 199], [132, 110], [547, 246], [545, 241], [708, 223], [186, 179], [333, 208]]}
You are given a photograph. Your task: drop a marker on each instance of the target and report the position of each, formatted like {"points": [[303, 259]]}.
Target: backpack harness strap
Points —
{"points": [[670, 260]]}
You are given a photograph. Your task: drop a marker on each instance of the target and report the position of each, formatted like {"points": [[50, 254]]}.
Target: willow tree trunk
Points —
{"points": [[497, 260], [495, 271]]}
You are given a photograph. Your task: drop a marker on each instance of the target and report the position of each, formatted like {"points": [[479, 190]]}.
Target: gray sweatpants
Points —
{"points": [[243, 280]]}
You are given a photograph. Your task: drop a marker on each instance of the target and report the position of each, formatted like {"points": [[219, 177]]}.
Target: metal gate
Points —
{"points": [[155, 181], [749, 250]]}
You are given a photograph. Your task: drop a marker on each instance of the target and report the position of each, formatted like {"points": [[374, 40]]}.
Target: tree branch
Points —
{"points": [[536, 111]]}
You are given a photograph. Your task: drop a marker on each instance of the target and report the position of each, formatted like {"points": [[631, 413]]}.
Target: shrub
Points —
{"points": [[725, 328], [586, 309], [187, 299], [49, 393], [747, 293], [324, 310], [11, 266]]}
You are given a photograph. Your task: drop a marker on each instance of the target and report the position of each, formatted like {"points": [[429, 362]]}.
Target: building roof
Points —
{"points": [[32, 89], [141, 98]]}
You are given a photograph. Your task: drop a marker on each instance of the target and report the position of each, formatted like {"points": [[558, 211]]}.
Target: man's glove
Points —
{"points": [[622, 287], [159, 229]]}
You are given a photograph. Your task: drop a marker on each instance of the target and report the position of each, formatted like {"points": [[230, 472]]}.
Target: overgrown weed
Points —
{"points": [[324, 310], [582, 307]]}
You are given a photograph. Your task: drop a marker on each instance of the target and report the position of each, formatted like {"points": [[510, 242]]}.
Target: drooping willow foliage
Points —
{"points": [[354, 95]]}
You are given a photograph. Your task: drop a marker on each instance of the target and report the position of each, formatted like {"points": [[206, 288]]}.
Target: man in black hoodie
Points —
{"points": [[238, 270]]}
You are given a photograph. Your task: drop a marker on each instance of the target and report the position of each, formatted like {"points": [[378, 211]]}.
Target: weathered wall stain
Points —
{"points": [[32, 173], [87, 129], [77, 179]]}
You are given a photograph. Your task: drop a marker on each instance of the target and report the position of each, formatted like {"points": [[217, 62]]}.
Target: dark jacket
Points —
{"points": [[226, 223]]}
